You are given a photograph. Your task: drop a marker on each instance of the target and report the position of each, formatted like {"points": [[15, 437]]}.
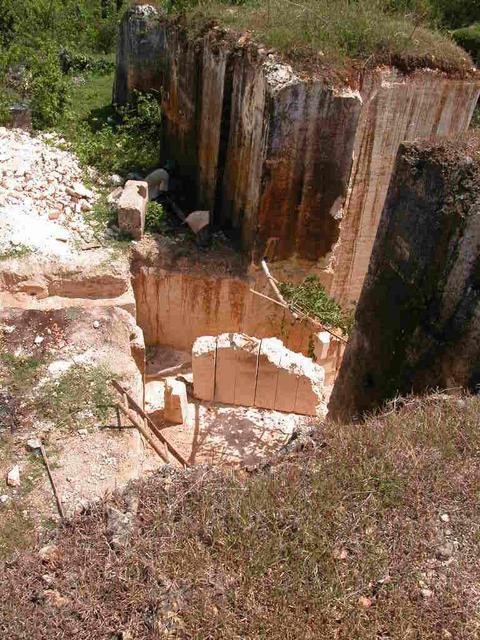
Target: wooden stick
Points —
{"points": [[305, 316], [171, 371], [151, 425], [52, 482], [273, 283], [262, 295], [131, 416]]}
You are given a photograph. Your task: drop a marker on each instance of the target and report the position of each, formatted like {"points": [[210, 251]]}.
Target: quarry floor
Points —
{"points": [[67, 312], [214, 433]]}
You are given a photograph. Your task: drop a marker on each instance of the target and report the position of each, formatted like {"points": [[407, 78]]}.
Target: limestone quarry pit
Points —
{"points": [[291, 168], [74, 302]]}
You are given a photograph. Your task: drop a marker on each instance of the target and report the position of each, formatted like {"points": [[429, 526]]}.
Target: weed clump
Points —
{"points": [[15, 251], [19, 371], [311, 298], [82, 389]]}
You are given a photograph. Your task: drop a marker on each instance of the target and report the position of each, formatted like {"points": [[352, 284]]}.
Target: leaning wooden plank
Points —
{"points": [[171, 371], [152, 426], [276, 290], [131, 416]]}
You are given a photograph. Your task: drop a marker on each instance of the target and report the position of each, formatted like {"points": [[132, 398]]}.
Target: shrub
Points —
{"points": [[49, 89], [311, 298], [127, 140], [154, 217], [77, 62], [469, 39]]}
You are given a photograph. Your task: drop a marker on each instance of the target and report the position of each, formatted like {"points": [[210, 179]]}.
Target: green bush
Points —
{"points": [[77, 62], [154, 217], [49, 89], [454, 14], [311, 298], [469, 39], [127, 140]]}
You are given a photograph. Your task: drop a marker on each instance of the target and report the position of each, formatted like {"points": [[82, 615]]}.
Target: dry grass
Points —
{"points": [[335, 542], [367, 30]]}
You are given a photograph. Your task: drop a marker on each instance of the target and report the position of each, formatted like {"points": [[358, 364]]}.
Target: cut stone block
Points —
{"points": [[286, 386], [131, 208], [322, 345], [203, 367], [225, 369], [261, 373], [267, 375], [236, 369], [246, 371], [176, 402]]}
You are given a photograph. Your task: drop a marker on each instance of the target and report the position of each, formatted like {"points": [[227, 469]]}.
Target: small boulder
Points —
{"points": [[78, 190], [13, 477], [176, 402], [48, 553], [34, 444], [158, 182], [119, 527]]}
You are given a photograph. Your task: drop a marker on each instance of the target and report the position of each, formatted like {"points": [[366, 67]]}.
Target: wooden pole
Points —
{"points": [[273, 284], [305, 317], [151, 425], [52, 482], [130, 415]]}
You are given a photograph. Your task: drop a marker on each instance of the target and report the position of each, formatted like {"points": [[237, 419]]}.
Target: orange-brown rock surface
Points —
{"points": [[276, 154]]}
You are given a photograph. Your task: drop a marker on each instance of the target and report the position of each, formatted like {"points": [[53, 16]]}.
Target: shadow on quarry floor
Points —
{"points": [[223, 434]]}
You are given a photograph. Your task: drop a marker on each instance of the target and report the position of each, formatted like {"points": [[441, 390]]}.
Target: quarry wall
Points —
{"points": [[179, 299], [276, 155], [417, 323]]}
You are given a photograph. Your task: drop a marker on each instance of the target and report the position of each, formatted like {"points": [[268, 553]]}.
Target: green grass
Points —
{"points": [[92, 98], [82, 389], [19, 372], [18, 251], [17, 530], [368, 30]]}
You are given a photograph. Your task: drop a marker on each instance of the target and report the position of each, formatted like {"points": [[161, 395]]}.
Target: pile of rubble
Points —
{"points": [[42, 179]]}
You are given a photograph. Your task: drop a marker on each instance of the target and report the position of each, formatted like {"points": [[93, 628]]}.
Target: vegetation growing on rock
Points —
{"points": [[311, 298], [324, 33]]}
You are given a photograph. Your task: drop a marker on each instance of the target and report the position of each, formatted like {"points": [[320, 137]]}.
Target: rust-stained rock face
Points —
{"points": [[275, 155], [417, 325], [178, 301], [396, 109]]}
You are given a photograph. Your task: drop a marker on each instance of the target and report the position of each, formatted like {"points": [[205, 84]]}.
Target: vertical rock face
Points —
{"points": [[275, 155], [396, 109], [418, 319]]}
